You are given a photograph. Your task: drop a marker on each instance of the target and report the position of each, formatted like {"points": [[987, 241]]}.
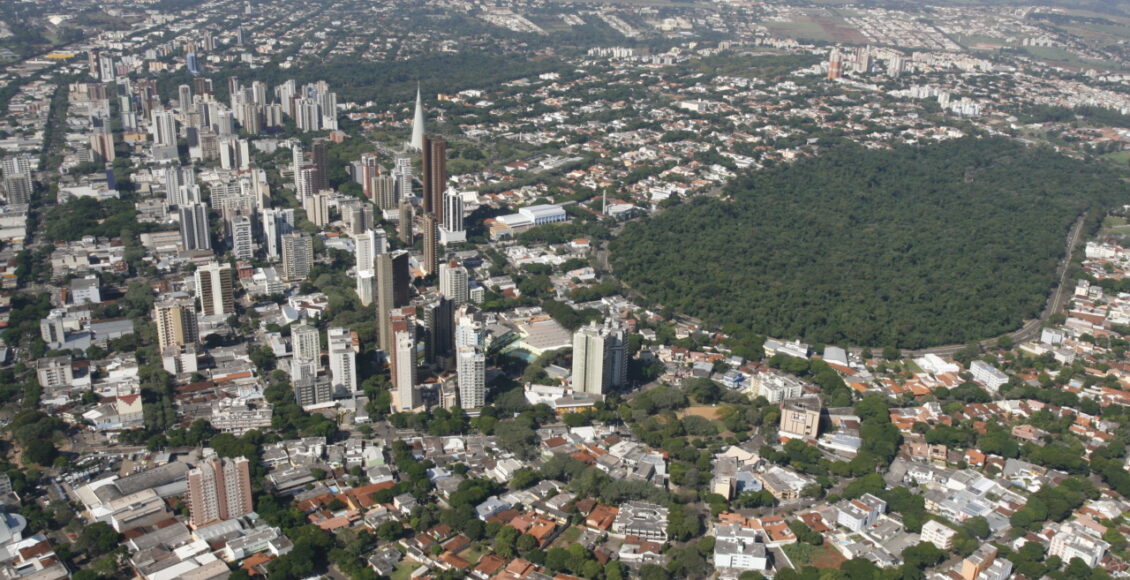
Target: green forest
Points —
{"points": [[910, 247]]}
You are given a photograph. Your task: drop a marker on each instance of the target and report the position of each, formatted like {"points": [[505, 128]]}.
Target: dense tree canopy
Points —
{"points": [[911, 247]]}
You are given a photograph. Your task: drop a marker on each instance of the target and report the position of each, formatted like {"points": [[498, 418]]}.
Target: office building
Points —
{"points": [[297, 256], [392, 292], [453, 282], [214, 283], [800, 418], [194, 227], [600, 358], [468, 327], [321, 166], [305, 343], [343, 361], [218, 490], [471, 368], [434, 175]]}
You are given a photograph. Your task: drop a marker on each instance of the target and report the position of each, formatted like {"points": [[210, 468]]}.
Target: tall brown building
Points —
{"points": [[219, 489], [321, 167], [392, 292], [404, 225], [434, 175], [431, 245]]}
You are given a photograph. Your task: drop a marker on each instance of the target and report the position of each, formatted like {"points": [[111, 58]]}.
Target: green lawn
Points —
{"points": [[404, 570]]}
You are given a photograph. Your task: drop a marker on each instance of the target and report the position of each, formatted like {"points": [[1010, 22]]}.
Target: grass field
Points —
{"points": [[404, 570], [1118, 157]]}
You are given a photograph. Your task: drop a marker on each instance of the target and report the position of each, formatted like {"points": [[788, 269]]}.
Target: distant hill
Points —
{"points": [[910, 247]]}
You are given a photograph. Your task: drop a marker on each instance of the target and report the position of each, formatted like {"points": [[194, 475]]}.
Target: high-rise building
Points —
{"points": [[468, 327], [317, 207], [384, 191], [434, 175], [431, 244], [600, 358], [311, 389], [297, 256], [402, 172], [305, 343], [194, 227], [452, 230], [176, 322], [102, 145], [402, 359], [439, 321], [404, 223], [835, 64], [242, 241], [392, 292], [18, 184], [218, 490], [304, 179], [343, 361], [367, 287], [321, 166], [453, 282], [471, 369], [214, 284], [276, 223], [367, 246]]}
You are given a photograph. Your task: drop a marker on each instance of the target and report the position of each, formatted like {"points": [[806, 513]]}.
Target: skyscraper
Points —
{"points": [[218, 490], [600, 358], [417, 141], [392, 292], [453, 282], [214, 283], [431, 244], [176, 322], [343, 361], [434, 175], [471, 368], [305, 343], [194, 227], [297, 256]]}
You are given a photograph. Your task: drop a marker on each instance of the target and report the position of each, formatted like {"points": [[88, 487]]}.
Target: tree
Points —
{"points": [[41, 451], [98, 538]]}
